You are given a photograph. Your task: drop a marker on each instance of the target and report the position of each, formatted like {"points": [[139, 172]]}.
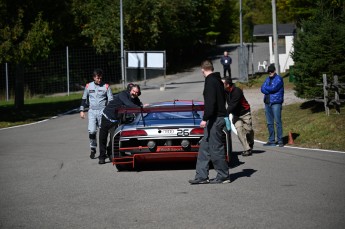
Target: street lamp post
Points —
{"points": [[242, 61], [122, 51], [275, 37], [241, 33]]}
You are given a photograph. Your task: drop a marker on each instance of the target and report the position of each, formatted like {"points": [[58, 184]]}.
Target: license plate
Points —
{"points": [[167, 131]]}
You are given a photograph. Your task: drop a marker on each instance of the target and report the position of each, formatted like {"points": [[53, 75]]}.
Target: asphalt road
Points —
{"points": [[47, 180]]}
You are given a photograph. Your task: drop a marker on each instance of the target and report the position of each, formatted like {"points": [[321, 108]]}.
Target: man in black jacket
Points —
{"points": [[126, 98], [239, 107], [211, 145]]}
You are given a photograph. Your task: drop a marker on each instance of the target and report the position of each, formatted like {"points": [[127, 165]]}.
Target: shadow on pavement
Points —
{"points": [[258, 151], [243, 173], [142, 167]]}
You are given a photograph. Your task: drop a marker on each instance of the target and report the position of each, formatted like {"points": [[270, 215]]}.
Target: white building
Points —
{"points": [[286, 33]]}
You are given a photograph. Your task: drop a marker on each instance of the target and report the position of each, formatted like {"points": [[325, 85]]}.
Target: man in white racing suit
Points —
{"points": [[97, 95]]}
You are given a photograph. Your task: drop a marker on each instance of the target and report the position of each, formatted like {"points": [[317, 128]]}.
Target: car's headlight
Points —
{"points": [[197, 131]]}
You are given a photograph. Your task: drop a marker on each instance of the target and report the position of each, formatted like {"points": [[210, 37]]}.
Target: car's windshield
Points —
{"points": [[173, 115]]}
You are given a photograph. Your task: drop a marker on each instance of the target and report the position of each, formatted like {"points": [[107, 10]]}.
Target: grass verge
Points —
{"points": [[37, 109], [310, 127]]}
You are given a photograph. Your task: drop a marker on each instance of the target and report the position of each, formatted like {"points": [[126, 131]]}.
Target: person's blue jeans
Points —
{"points": [[274, 116]]}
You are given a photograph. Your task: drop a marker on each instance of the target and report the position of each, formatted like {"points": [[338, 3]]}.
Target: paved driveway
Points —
{"points": [[48, 181]]}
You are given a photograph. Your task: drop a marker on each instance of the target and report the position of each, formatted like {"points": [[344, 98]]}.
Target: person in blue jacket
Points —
{"points": [[273, 90]]}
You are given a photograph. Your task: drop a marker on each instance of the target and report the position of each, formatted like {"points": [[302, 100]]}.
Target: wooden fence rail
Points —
{"points": [[328, 89]]}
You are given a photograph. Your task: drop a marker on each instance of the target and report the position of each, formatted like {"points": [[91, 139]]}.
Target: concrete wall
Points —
{"points": [[285, 59]]}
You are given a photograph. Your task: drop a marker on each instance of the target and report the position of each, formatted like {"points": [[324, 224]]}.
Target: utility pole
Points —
{"points": [[242, 64], [241, 35], [275, 37], [122, 52]]}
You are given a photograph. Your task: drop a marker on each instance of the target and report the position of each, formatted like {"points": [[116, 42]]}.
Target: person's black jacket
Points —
{"points": [[122, 99], [237, 103], [214, 97]]}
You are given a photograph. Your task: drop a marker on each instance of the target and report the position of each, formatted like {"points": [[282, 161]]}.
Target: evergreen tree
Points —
{"points": [[319, 48]]}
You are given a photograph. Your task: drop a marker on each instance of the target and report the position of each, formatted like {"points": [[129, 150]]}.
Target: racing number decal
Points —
{"points": [[182, 132], [179, 132]]}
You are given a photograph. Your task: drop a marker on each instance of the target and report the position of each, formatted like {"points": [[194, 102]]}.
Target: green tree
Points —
{"points": [[295, 10], [160, 24], [99, 22], [22, 41], [319, 48], [255, 12], [175, 26]]}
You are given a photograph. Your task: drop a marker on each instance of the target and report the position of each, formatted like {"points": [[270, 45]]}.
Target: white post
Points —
{"points": [[325, 93], [145, 62], [67, 69], [241, 36], [6, 68], [275, 37], [121, 38], [336, 94]]}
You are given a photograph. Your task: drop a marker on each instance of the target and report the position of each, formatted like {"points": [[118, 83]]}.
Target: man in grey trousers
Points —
{"points": [[213, 122]]}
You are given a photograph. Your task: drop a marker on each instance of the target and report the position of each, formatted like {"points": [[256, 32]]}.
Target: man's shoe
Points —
{"points": [[247, 153], [218, 181], [93, 153], [101, 161], [269, 144], [199, 181], [280, 144]]}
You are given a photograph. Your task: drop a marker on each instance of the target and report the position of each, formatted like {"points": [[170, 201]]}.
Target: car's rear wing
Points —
{"points": [[172, 108], [166, 108]]}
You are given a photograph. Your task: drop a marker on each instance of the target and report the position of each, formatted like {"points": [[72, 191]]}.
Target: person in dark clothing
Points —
{"points": [[239, 107], [110, 118], [211, 145], [226, 61]]}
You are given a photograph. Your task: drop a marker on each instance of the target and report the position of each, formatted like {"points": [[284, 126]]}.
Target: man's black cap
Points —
{"points": [[271, 68]]}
